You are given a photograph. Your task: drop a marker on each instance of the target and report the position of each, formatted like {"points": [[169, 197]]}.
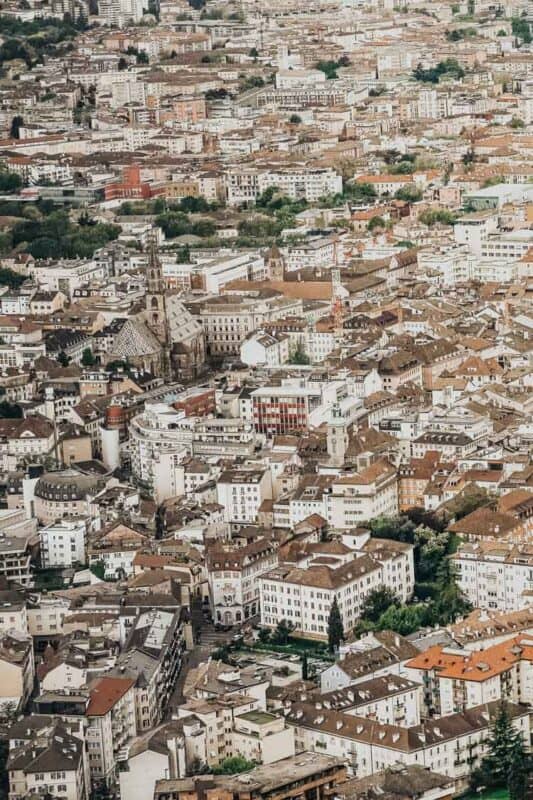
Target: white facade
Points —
{"points": [[371, 493], [304, 597], [496, 576], [64, 543], [242, 492]]}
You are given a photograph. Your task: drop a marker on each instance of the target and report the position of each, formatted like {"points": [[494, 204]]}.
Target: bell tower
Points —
{"points": [[275, 264], [156, 312], [156, 308]]}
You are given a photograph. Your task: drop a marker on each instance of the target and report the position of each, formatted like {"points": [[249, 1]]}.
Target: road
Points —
{"points": [[208, 640]]}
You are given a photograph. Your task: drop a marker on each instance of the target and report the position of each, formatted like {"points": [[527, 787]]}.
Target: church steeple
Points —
{"points": [[156, 309], [275, 264], [154, 282], [156, 312]]}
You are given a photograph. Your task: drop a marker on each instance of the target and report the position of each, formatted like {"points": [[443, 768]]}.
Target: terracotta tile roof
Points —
{"points": [[478, 666], [105, 693], [485, 522]]}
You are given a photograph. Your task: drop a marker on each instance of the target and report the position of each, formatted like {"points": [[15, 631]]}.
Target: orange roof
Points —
{"points": [[105, 693], [476, 666]]}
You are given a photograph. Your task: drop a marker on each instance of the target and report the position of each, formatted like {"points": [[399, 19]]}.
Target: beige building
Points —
{"points": [[17, 671]]}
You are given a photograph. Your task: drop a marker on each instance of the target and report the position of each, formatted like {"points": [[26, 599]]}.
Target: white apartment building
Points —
{"points": [[265, 349], [456, 680], [495, 270], [111, 718], [511, 245], [353, 499], [453, 745], [215, 273], [51, 763], [495, 575], [304, 596], [389, 699], [243, 186], [161, 434], [120, 13], [473, 230], [241, 492], [320, 251], [233, 574], [64, 543], [67, 275]]}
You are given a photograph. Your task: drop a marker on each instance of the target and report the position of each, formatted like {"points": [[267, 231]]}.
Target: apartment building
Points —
{"points": [[64, 543], [241, 493], [372, 492], [511, 245], [495, 575], [455, 680], [307, 774], [452, 745], [217, 721], [245, 185], [17, 534], [159, 434], [111, 724], [17, 670], [388, 699], [152, 657], [115, 548], [23, 440], [303, 596], [49, 763], [374, 655], [233, 573]]}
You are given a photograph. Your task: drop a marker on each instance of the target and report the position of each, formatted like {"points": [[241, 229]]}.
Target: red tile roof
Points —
{"points": [[105, 693]]}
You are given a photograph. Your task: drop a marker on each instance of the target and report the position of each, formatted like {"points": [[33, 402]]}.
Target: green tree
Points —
{"points": [[431, 217], [329, 68], [10, 410], [142, 57], [282, 632], [377, 602], [305, 667], [233, 765], [335, 627], [404, 619], [450, 68], [16, 123], [404, 167], [10, 182], [376, 222], [9, 278], [410, 193], [516, 122], [506, 755], [87, 358], [520, 772], [299, 356], [63, 359], [295, 119], [193, 205], [263, 635], [98, 569], [521, 29]]}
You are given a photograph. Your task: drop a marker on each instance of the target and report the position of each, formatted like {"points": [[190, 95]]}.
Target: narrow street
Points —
{"points": [[208, 641]]}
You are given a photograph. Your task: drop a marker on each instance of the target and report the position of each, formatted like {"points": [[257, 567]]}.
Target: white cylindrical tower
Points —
{"points": [[110, 438]]}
